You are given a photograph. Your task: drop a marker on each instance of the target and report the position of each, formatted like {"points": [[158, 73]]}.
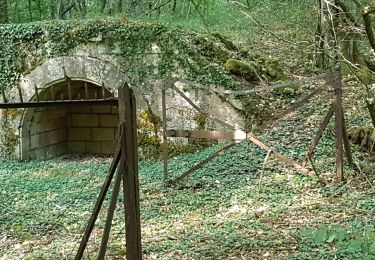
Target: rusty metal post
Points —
{"points": [[339, 129], [165, 137], [99, 203], [128, 116], [319, 134], [112, 206]]}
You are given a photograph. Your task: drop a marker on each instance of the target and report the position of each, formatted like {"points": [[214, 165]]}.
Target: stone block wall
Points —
{"points": [[44, 133], [92, 129], [50, 132]]}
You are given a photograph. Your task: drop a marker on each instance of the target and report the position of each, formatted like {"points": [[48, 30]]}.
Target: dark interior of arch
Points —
{"points": [[72, 129]]}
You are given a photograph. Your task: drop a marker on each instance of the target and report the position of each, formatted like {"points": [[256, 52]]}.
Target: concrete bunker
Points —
{"points": [[53, 131], [107, 53]]}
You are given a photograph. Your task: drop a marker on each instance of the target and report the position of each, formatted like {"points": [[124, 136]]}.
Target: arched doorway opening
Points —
{"points": [[70, 129]]}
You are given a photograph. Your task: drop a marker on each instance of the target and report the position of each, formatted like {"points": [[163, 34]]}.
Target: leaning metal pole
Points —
{"points": [[126, 163]]}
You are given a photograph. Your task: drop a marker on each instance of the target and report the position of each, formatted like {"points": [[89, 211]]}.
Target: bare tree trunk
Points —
{"points": [[52, 7], [4, 11], [30, 10], [321, 35], [103, 4], [120, 6], [136, 7], [39, 5], [17, 11]]}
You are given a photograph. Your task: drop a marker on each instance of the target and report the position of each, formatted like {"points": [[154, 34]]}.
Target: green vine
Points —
{"points": [[9, 139], [146, 52]]}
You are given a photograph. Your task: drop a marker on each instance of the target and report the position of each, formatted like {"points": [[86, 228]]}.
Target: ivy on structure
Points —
{"points": [[9, 139], [146, 52]]}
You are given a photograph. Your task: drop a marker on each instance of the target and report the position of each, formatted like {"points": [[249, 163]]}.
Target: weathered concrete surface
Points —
{"points": [[79, 130]]}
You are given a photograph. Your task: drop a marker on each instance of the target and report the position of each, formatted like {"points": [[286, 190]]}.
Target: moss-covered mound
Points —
{"points": [[173, 52], [145, 52], [363, 136]]}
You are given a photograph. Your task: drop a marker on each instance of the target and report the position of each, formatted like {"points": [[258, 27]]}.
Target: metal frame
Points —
{"points": [[32, 104], [333, 79], [125, 162]]}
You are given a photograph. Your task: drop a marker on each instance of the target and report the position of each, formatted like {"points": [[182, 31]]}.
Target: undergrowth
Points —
{"points": [[223, 211]]}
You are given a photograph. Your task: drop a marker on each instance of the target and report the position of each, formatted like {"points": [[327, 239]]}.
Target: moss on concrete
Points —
{"points": [[243, 69]]}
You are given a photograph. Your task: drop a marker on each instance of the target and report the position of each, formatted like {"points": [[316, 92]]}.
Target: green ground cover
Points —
{"points": [[224, 211]]}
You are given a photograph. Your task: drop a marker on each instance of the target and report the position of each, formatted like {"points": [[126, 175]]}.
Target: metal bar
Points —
{"points": [[278, 155], [225, 124], [339, 128], [58, 103], [319, 134], [204, 134], [103, 91], [99, 203], [293, 108], [36, 93], [70, 91], [204, 162], [87, 91], [111, 208], [165, 138], [52, 93], [5, 100], [20, 93], [127, 112], [168, 84]]}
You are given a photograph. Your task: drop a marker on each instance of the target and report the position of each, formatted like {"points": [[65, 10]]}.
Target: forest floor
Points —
{"points": [[239, 206], [236, 207]]}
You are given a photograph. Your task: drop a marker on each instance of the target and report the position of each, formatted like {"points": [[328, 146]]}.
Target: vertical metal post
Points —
{"points": [[128, 116], [52, 93], [70, 90], [339, 129], [86, 91], [20, 93], [165, 138], [5, 100], [36, 93], [103, 90]]}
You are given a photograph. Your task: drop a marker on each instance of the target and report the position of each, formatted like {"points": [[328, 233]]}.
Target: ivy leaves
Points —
{"points": [[340, 240]]}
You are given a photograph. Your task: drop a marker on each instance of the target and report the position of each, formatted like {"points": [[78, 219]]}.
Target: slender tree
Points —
{"points": [[4, 11]]}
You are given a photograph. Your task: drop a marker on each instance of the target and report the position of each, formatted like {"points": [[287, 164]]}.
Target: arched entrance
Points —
{"points": [[52, 131], [47, 132]]}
